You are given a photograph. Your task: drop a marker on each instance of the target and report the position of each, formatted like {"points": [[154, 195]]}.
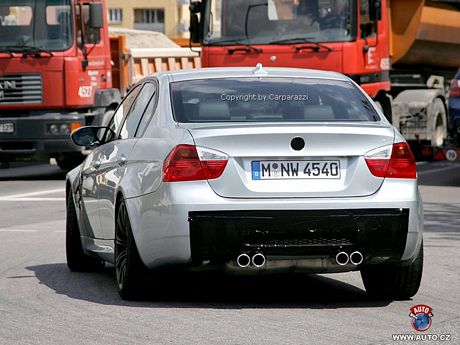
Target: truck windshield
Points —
{"points": [[42, 24], [269, 100], [277, 21]]}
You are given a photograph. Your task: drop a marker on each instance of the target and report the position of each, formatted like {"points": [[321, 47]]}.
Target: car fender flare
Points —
{"points": [[134, 216]]}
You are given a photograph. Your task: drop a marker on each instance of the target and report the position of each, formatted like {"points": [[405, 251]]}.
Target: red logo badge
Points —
{"points": [[421, 315]]}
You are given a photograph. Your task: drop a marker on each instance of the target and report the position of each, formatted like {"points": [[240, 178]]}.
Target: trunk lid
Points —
{"points": [[252, 145]]}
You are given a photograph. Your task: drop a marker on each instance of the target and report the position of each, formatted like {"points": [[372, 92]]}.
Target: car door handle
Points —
{"points": [[97, 164], [122, 160]]}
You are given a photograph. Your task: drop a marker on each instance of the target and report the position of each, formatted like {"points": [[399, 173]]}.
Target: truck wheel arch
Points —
{"points": [[430, 103]]}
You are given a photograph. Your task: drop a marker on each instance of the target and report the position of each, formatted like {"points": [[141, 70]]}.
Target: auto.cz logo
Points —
{"points": [[421, 319], [421, 316]]}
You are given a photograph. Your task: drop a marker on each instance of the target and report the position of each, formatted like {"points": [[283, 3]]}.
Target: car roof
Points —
{"points": [[257, 71]]}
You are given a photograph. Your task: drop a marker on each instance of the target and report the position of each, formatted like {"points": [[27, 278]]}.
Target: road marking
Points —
{"points": [[32, 196], [29, 230], [32, 199], [17, 230], [437, 170]]}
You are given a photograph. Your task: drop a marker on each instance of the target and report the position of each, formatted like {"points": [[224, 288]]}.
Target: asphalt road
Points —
{"points": [[42, 302]]}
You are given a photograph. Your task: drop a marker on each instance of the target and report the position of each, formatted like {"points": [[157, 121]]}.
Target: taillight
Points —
{"points": [[392, 161], [455, 88], [192, 163]]}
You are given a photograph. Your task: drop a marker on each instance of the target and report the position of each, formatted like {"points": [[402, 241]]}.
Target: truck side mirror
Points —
{"points": [[375, 10], [96, 15], [196, 30]]}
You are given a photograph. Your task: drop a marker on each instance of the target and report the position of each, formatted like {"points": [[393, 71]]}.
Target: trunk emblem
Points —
{"points": [[297, 144]]}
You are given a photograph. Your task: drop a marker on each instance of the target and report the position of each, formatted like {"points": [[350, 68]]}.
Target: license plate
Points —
{"points": [[279, 170], [7, 127]]}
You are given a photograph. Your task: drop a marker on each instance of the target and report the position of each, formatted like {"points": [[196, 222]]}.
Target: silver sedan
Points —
{"points": [[250, 170]]}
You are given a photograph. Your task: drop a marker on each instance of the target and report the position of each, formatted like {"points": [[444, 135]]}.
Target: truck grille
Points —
{"points": [[20, 89]]}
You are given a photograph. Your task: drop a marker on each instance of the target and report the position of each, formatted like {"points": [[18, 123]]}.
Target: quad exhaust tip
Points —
{"points": [[243, 260], [258, 260], [342, 258], [356, 258]]}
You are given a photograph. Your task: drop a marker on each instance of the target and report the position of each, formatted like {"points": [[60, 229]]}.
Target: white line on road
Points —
{"points": [[33, 196], [29, 230], [438, 170], [17, 230], [32, 199], [43, 192]]}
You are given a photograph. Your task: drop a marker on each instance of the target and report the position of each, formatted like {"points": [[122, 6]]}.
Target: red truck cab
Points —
{"points": [[55, 76], [347, 36]]}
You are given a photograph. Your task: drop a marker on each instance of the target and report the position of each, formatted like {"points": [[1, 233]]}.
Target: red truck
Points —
{"points": [[402, 52], [55, 76]]}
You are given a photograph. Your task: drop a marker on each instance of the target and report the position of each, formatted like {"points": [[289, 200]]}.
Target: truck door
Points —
{"points": [[93, 71]]}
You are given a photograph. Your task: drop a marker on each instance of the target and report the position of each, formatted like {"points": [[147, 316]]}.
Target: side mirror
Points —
{"points": [[89, 135], [196, 31], [375, 10], [96, 15]]}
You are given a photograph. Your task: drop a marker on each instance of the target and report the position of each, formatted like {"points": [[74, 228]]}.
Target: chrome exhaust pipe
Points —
{"points": [[258, 260], [356, 258], [243, 260], [342, 258]]}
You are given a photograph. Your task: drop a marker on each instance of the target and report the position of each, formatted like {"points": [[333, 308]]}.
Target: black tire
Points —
{"points": [[394, 282], [69, 161], [77, 260], [131, 273]]}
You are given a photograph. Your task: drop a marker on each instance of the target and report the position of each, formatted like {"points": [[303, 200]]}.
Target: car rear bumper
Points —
{"points": [[187, 223], [219, 236]]}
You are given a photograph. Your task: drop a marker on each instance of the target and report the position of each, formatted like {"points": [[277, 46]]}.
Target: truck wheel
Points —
{"points": [[438, 114], [77, 260], [394, 282], [132, 275], [69, 161]]}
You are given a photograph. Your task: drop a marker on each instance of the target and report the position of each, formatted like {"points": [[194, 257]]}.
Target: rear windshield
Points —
{"points": [[269, 100]]}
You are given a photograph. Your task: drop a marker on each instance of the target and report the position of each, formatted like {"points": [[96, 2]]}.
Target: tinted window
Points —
{"points": [[91, 35], [46, 24], [265, 21], [269, 100], [148, 114], [368, 27], [120, 113], [136, 112]]}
